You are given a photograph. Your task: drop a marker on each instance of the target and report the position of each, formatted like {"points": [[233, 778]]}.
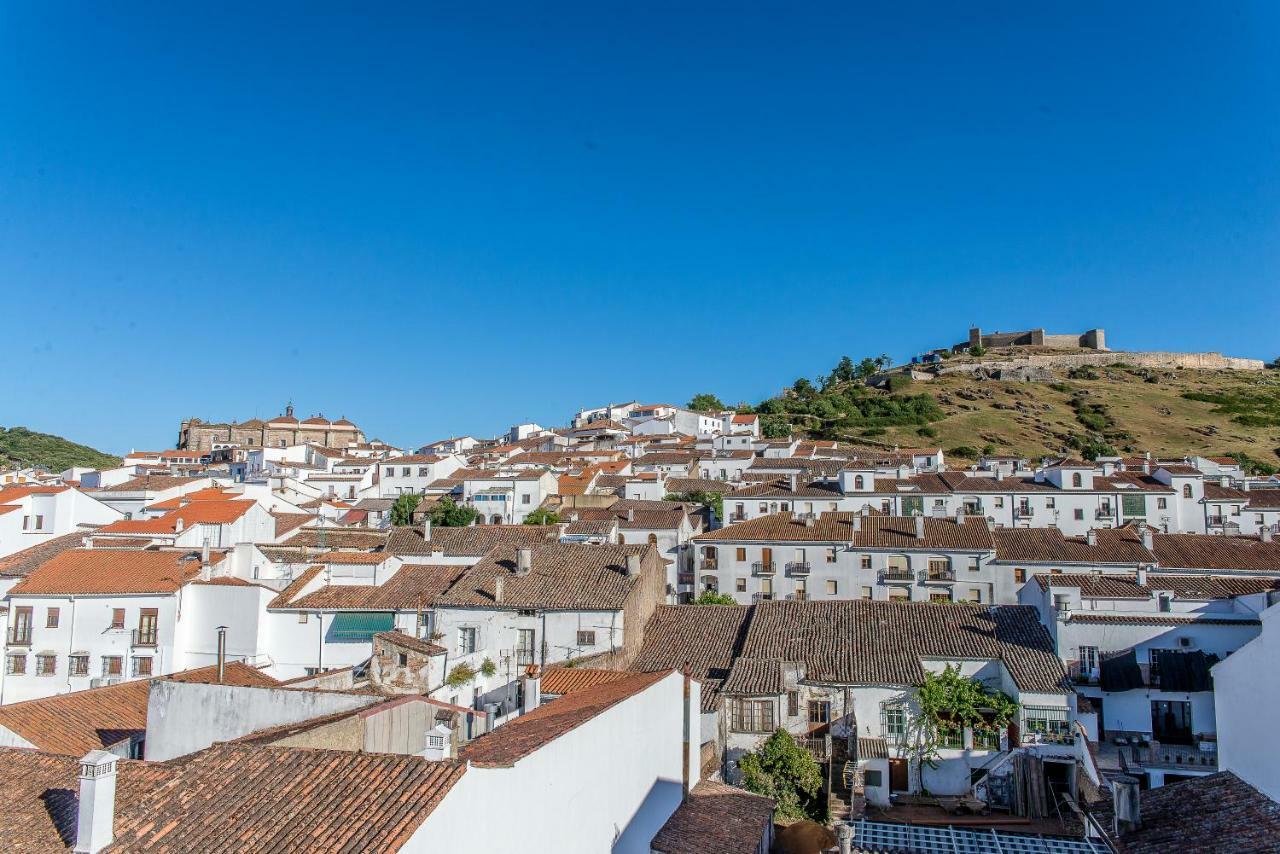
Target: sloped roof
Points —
{"points": [[1049, 545], [87, 571], [706, 637], [716, 818], [413, 586], [563, 576], [876, 532], [23, 563], [1205, 551], [471, 541], [1218, 812]]}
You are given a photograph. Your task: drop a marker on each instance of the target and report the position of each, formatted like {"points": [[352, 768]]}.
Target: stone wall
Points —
{"points": [[1165, 361]]}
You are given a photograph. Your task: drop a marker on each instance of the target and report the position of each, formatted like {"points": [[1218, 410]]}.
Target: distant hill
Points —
{"points": [[1102, 410], [22, 447]]}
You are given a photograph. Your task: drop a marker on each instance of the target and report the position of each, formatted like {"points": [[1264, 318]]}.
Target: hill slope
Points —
{"points": [[1084, 412], [22, 447]]}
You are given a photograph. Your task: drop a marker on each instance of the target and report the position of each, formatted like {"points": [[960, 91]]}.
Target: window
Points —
{"points": [[147, 628], [831, 555], [1046, 725], [752, 716], [740, 585], [1162, 503], [141, 665], [1134, 506], [893, 722], [975, 595], [466, 641], [832, 587], [1077, 480], [1078, 514], [973, 564], [939, 567], [1019, 575], [117, 618], [740, 554], [998, 502], [404, 471], [78, 665], [302, 616], [402, 659], [586, 638], [51, 618], [819, 712], [1186, 490], [866, 593], [46, 665], [391, 471], [764, 507], [16, 664], [525, 647], [1166, 602], [858, 482], [766, 586], [894, 593], [865, 561], [793, 703], [525, 499], [112, 665], [872, 779], [653, 539], [1088, 660], [1050, 503]]}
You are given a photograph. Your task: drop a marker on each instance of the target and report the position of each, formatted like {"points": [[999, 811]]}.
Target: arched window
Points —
{"points": [[496, 520], [857, 482], [1186, 490], [1077, 480]]}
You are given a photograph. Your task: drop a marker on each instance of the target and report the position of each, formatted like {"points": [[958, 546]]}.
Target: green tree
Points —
{"points": [[706, 403], [710, 598], [775, 426], [447, 514], [402, 510], [714, 500], [786, 772], [542, 516], [844, 372]]}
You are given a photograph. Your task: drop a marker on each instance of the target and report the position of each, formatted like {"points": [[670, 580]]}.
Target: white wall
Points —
{"points": [[1247, 688]]}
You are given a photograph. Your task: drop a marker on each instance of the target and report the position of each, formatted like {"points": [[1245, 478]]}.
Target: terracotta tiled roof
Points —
{"points": [[564, 576], [412, 586], [209, 493], [369, 558], [313, 800], [407, 641], [882, 643], [781, 488], [706, 637], [409, 459], [1204, 551], [81, 721], [472, 541], [1049, 545], [634, 514], [40, 802], [295, 587], [150, 483], [566, 680], [1219, 812], [89, 571], [1216, 492], [337, 538], [754, 677], [680, 485], [875, 532], [1264, 498], [717, 818], [667, 458], [1183, 586], [286, 522], [220, 512], [517, 739], [20, 564]]}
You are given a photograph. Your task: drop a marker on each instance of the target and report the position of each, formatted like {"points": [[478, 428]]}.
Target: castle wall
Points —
{"points": [[1159, 360]]}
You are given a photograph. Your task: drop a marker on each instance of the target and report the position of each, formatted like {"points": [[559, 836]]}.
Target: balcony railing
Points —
{"points": [[684, 578], [709, 564], [763, 568], [1169, 756], [525, 656], [738, 517], [761, 597], [817, 747], [798, 567], [20, 636], [1082, 674], [1105, 513], [798, 596], [145, 637], [1023, 512], [896, 574], [947, 574]]}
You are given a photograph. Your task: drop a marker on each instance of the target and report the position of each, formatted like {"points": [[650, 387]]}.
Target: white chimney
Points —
{"points": [[920, 527], [633, 565], [438, 744], [532, 689], [178, 525], [426, 528], [524, 560], [960, 515], [1142, 575], [96, 818], [497, 588], [856, 523], [631, 514], [1148, 538], [204, 552], [1091, 537], [1266, 533]]}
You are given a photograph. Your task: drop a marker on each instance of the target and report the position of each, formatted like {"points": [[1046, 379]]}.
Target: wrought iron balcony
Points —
{"points": [[709, 564], [798, 567], [20, 636], [149, 637], [1105, 513], [940, 575], [763, 568], [894, 573]]}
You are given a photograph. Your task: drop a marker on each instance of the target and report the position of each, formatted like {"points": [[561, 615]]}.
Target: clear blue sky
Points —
{"points": [[439, 221]]}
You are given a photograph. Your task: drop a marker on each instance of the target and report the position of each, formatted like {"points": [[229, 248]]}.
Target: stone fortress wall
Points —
{"points": [[1157, 360]]}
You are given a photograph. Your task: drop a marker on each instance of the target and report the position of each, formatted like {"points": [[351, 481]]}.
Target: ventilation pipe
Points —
{"points": [[95, 820], [222, 652]]}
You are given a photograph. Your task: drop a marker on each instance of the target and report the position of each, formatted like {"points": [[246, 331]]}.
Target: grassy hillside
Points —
{"points": [[1085, 412], [22, 447]]}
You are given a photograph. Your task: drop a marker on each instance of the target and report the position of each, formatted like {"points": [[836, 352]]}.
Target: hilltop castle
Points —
{"points": [[278, 432], [1092, 339]]}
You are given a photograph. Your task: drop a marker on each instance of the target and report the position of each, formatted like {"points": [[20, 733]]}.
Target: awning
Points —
{"points": [[360, 625]]}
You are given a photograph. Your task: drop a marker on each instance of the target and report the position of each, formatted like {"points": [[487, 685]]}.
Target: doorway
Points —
{"points": [[1171, 721], [899, 779]]}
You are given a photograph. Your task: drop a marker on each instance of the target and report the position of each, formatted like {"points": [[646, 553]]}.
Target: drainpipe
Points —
{"points": [[688, 732], [222, 652]]}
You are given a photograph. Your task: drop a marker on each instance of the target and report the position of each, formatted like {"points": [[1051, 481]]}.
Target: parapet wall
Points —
{"points": [[1198, 361]]}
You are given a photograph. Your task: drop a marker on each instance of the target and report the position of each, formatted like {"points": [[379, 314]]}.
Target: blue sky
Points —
{"points": [[445, 219]]}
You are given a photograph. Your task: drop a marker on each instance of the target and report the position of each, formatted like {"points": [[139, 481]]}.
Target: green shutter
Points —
{"points": [[361, 625]]}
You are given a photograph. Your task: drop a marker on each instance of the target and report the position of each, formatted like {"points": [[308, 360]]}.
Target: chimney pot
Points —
{"points": [[95, 819], [524, 560], [222, 652]]}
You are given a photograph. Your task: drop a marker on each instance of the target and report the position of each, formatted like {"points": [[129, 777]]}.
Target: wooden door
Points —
{"points": [[899, 780]]}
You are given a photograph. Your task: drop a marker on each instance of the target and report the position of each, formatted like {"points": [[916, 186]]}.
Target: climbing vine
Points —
{"points": [[949, 700], [460, 675]]}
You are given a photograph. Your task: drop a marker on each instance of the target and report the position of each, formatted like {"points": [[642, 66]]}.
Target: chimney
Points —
{"points": [[178, 525], [497, 588], [562, 529], [96, 817], [793, 482], [532, 689], [1128, 804], [426, 528], [524, 560], [222, 652], [844, 835], [631, 514], [920, 527], [204, 552], [1148, 538], [438, 745], [86, 542], [689, 722], [1142, 575], [1265, 533], [960, 515], [632, 567], [1091, 537], [856, 523]]}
